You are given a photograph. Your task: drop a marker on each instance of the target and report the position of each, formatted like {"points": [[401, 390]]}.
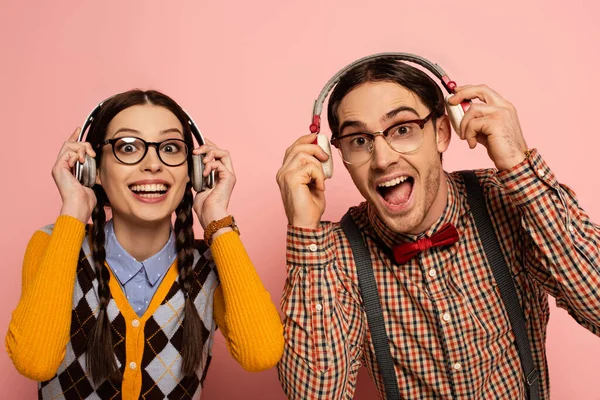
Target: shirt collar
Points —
{"points": [[124, 266]]}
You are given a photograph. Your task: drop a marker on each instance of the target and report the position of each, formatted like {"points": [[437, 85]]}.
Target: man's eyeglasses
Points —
{"points": [[403, 137]]}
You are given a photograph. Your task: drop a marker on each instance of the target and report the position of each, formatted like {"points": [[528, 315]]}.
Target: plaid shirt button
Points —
{"points": [[541, 173], [457, 366], [571, 229], [446, 317], [313, 247], [319, 307], [432, 273]]}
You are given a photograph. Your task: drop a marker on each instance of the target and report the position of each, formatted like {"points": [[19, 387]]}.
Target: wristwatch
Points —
{"points": [[218, 224]]}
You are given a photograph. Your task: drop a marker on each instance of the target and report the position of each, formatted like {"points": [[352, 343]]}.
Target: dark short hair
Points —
{"points": [[386, 69]]}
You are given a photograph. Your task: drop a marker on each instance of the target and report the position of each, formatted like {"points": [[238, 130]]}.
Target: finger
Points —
{"points": [[81, 152], [70, 146], [481, 92], [296, 162], [214, 153], [311, 174], [477, 129], [225, 157], [72, 159], [208, 144], [302, 159], [475, 111], [302, 141], [211, 143], [89, 149], [75, 135], [312, 150], [217, 166]]}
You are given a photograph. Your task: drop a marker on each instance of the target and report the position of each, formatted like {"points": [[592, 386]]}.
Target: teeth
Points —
{"points": [[149, 188], [393, 182], [150, 195]]}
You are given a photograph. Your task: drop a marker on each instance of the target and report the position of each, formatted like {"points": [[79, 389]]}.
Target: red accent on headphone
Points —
{"points": [[315, 127], [451, 85]]}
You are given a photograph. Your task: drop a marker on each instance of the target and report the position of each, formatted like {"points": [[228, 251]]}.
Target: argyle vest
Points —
{"points": [[147, 347]]}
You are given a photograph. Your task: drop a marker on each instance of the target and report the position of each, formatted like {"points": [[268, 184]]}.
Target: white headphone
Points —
{"points": [[454, 112], [85, 172]]}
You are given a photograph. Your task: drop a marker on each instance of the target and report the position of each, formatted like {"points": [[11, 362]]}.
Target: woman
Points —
{"points": [[95, 322]]}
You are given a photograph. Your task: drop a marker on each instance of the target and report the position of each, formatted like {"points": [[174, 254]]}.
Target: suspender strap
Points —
{"points": [[372, 303], [503, 277]]}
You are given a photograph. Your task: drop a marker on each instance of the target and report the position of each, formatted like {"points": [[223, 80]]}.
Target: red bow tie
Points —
{"points": [[447, 235]]}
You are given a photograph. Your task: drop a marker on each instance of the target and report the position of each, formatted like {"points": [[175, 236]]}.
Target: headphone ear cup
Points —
{"points": [[323, 143], [197, 170], [456, 114], [199, 182], [86, 173]]}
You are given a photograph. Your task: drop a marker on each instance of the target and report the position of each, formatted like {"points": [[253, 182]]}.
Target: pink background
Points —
{"points": [[249, 73]]}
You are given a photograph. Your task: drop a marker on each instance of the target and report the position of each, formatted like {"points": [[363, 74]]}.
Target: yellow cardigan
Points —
{"points": [[39, 330]]}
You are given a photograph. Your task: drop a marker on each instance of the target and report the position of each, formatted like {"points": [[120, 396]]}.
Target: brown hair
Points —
{"points": [[386, 69]]}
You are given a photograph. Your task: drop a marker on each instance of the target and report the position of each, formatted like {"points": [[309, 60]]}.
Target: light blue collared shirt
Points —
{"points": [[138, 279]]}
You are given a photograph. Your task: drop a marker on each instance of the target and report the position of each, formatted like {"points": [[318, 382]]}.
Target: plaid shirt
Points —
{"points": [[448, 330]]}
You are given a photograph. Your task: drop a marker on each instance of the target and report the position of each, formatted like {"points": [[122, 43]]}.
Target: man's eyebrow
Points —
{"points": [[386, 117], [397, 111], [352, 124]]}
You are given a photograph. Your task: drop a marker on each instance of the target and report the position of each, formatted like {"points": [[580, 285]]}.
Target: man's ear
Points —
{"points": [[443, 133]]}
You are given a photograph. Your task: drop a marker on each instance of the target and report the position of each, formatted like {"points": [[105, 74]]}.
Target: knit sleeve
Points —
{"points": [[38, 332], [243, 308]]}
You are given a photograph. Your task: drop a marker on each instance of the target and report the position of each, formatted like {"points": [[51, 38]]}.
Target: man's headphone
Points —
{"points": [[86, 173], [454, 112]]}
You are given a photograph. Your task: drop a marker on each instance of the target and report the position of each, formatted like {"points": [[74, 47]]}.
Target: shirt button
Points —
{"points": [[457, 366], [312, 247], [132, 365], [432, 273], [135, 323], [571, 228], [541, 173], [319, 307], [446, 317]]}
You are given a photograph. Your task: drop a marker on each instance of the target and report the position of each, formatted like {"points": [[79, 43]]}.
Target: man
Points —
{"points": [[448, 330]]}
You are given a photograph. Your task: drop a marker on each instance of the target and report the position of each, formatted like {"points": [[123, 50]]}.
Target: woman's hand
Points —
{"points": [[211, 204], [78, 200]]}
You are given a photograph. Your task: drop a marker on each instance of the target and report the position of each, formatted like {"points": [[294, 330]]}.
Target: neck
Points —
{"points": [[437, 208], [143, 240]]}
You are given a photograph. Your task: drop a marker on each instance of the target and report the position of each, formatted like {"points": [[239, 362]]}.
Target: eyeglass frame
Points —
{"points": [[147, 145], [420, 122]]}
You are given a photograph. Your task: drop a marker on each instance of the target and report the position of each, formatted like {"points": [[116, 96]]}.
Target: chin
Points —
{"points": [[405, 222]]}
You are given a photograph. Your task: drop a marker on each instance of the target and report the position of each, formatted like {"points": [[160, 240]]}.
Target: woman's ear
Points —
{"points": [[98, 180]]}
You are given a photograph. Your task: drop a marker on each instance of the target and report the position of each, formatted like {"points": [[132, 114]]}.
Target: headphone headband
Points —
{"points": [[90, 118], [435, 69]]}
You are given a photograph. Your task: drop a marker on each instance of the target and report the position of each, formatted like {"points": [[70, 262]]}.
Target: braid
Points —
{"points": [[192, 325], [100, 359]]}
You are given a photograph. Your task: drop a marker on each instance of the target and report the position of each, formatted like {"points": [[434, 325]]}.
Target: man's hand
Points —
{"points": [[493, 123]]}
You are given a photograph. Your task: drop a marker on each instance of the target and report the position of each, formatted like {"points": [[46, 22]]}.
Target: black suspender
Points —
{"points": [[508, 293], [370, 296]]}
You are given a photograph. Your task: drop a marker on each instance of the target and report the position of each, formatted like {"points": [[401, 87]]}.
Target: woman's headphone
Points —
{"points": [[86, 173], [454, 112]]}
